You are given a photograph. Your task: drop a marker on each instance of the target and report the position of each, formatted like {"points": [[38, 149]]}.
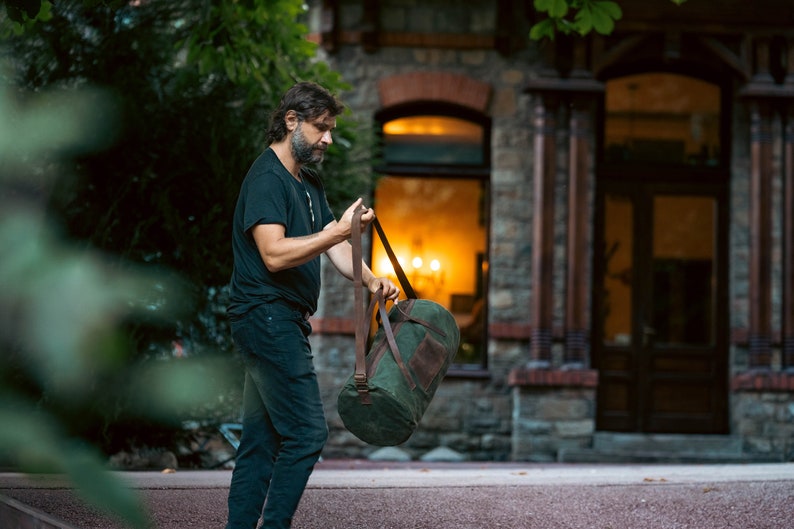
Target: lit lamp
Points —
{"points": [[426, 278], [422, 277]]}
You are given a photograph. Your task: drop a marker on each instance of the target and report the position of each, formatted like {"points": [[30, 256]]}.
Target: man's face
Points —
{"points": [[311, 138]]}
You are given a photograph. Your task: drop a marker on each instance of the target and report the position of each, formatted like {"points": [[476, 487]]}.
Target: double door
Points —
{"points": [[660, 318]]}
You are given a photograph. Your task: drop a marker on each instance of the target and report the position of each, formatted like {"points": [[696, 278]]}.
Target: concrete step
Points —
{"points": [[726, 445], [611, 447], [589, 455]]}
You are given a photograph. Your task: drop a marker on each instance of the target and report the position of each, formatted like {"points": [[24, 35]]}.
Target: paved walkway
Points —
{"points": [[358, 495]]}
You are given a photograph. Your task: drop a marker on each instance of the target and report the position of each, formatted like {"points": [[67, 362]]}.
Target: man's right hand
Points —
{"points": [[346, 222]]}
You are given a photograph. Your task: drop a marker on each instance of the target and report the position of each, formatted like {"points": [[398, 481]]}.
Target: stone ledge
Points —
{"points": [[582, 378], [758, 380]]}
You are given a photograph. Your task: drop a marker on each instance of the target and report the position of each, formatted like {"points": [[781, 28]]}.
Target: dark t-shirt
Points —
{"points": [[271, 195]]}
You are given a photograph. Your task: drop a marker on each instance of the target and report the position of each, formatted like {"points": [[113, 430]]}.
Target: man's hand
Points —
{"points": [[390, 290], [346, 220]]}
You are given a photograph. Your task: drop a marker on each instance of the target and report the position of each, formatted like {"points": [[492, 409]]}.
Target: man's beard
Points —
{"points": [[303, 151]]}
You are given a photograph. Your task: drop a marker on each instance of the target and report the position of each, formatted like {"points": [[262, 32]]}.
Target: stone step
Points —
{"points": [[610, 447], [589, 455], [711, 445]]}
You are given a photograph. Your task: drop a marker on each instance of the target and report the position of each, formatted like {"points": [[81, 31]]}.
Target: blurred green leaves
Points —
{"points": [[61, 306], [125, 133], [40, 446], [577, 16], [195, 83]]}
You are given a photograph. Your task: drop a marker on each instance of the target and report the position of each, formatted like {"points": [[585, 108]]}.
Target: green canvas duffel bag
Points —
{"points": [[383, 401]]}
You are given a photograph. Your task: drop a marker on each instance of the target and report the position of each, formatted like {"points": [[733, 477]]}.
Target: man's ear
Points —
{"points": [[291, 119]]}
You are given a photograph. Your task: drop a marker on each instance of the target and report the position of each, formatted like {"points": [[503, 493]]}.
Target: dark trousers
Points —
{"points": [[284, 427]]}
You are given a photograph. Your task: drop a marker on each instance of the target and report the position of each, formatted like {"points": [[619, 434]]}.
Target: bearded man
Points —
{"points": [[282, 224]]}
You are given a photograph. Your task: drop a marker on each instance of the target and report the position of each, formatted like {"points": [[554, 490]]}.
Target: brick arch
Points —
{"points": [[434, 86]]}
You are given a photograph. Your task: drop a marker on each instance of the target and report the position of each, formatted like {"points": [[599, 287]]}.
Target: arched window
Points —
{"points": [[662, 118], [432, 201], [433, 140]]}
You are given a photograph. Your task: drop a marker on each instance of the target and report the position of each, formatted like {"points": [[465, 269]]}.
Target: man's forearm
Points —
{"points": [[341, 256]]}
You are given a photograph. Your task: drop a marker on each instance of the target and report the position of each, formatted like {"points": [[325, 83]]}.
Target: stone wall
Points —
{"points": [[765, 422], [548, 420], [492, 417], [762, 413], [471, 415]]}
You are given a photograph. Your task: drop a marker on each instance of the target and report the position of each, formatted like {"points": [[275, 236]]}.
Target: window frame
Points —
{"points": [[479, 172]]}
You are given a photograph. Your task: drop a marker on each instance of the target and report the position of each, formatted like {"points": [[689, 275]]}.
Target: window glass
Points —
{"points": [[683, 270], [662, 118], [436, 228], [433, 140], [618, 267], [433, 206]]}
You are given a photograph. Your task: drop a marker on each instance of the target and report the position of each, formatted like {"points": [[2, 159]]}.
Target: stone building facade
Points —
{"points": [[574, 365]]}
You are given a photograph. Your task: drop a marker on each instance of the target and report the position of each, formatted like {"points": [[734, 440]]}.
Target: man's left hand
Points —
{"points": [[390, 290]]}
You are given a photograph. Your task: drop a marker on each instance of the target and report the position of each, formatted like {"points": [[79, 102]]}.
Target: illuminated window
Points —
{"points": [[432, 204], [662, 118], [430, 140]]}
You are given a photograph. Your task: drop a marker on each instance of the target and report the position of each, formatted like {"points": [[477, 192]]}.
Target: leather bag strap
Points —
{"points": [[363, 320], [398, 269], [360, 374]]}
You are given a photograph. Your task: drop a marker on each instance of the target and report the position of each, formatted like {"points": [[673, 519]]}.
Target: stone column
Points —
{"points": [[760, 331], [579, 216], [787, 319], [543, 231]]}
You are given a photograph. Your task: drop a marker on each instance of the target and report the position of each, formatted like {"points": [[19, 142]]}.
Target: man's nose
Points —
{"points": [[327, 137]]}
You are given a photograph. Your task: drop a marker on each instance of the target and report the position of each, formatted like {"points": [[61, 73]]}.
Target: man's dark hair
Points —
{"points": [[309, 101]]}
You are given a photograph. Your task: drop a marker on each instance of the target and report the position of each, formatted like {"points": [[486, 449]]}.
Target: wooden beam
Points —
{"points": [[618, 52], [370, 30], [329, 26], [735, 62]]}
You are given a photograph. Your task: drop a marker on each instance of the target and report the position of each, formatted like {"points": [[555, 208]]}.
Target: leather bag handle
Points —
{"points": [[398, 269], [363, 320]]}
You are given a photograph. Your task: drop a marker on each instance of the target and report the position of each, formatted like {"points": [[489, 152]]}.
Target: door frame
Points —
{"points": [[654, 182]]}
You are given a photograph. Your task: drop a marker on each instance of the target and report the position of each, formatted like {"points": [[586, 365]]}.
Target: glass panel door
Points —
{"points": [[682, 379], [661, 361], [683, 271]]}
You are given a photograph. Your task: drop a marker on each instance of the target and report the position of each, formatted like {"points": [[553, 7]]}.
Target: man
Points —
{"points": [[282, 223]]}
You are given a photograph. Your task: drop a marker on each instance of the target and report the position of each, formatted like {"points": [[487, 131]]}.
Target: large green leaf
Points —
{"points": [[555, 8]]}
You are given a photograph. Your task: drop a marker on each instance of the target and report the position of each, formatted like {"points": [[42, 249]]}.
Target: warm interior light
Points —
{"points": [[417, 262], [435, 266], [457, 252], [386, 267], [438, 126]]}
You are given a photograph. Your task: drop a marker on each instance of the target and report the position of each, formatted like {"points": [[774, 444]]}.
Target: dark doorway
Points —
{"points": [[660, 320]]}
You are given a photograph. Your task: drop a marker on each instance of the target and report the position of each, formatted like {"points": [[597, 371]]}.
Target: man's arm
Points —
{"points": [[279, 252], [341, 255]]}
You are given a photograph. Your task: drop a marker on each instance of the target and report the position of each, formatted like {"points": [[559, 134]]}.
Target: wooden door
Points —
{"points": [[660, 333]]}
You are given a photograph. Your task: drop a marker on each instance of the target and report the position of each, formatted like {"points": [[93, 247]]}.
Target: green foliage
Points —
{"points": [[38, 445], [577, 16], [61, 306], [194, 84], [124, 144]]}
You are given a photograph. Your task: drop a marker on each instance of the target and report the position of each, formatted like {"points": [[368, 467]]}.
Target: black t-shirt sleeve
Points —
{"points": [[265, 202]]}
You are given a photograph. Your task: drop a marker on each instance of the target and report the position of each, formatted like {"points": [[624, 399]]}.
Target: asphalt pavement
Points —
{"points": [[373, 495]]}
